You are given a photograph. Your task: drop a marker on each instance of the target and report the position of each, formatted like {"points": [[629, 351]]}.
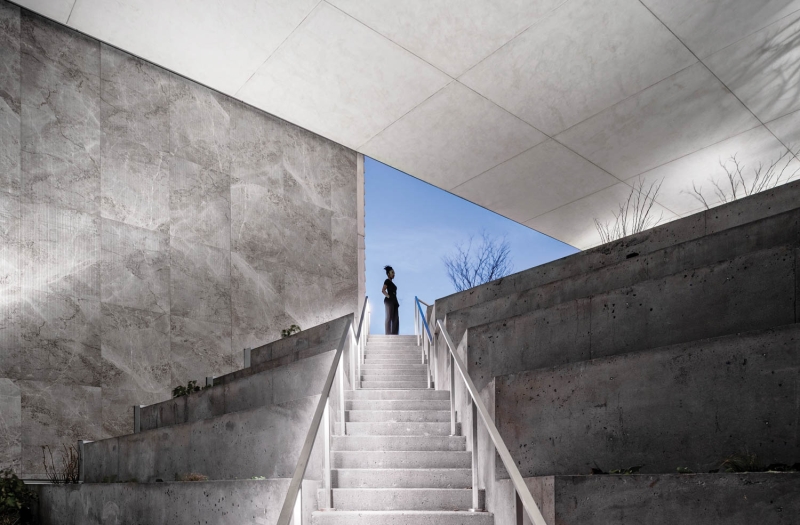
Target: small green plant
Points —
{"points": [[68, 471], [15, 499], [684, 470], [290, 331], [190, 388], [192, 476], [747, 462], [259, 478]]}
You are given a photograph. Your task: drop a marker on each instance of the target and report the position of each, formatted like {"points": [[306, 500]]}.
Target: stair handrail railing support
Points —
{"points": [[522, 494], [425, 339], [291, 512]]}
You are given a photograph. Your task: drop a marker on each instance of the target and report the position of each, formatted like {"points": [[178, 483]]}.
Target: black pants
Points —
{"points": [[392, 317]]}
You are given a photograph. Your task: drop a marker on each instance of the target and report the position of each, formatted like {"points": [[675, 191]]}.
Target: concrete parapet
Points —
{"points": [[686, 405], [303, 344], [663, 499], [753, 291], [185, 503], [750, 209]]}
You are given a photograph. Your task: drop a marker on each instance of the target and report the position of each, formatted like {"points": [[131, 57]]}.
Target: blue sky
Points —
{"points": [[411, 225]]}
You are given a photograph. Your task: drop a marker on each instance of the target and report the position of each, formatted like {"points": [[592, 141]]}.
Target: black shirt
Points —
{"points": [[391, 289]]}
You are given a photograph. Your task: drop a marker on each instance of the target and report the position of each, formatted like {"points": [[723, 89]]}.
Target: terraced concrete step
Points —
{"points": [[397, 394], [398, 443], [387, 459], [400, 429], [402, 499], [401, 517], [416, 360], [448, 478], [398, 404], [395, 375], [362, 416], [403, 350]]}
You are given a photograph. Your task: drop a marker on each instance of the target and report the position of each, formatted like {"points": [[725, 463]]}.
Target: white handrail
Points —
{"points": [[291, 512], [521, 489]]}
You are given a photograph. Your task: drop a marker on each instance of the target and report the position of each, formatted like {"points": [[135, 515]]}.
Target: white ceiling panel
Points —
{"points": [[585, 57], [453, 35], [787, 129], [58, 10], [677, 116], [702, 167], [763, 70], [452, 137], [574, 223], [706, 26], [219, 43], [341, 79], [541, 179]]}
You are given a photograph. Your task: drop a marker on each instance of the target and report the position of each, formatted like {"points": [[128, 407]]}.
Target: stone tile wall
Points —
{"points": [[150, 229]]}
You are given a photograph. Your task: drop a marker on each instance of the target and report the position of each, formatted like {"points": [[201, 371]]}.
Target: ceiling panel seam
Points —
{"points": [[728, 89], [272, 53], [70, 11]]}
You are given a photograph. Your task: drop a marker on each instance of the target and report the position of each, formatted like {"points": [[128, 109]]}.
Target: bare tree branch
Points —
{"points": [[472, 265], [634, 215], [735, 186]]}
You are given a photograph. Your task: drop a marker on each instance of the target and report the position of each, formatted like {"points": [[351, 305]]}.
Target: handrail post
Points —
{"points": [[341, 398], [326, 439], [428, 369], [452, 398], [476, 504], [297, 513], [518, 508]]}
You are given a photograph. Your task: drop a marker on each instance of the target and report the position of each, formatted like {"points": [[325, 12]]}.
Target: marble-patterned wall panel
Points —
{"points": [[9, 98], [60, 339], [199, 124], [10, 425], [200, 204], [257, 230], [54, 414], [134, 271], [135, 140], [257, 303], [307, 162], [307, 236], [344, 248], [10, 222], [60, 250], [135, 349], [60, 130], [308, 297], [10, 326], [200, 284], [199, 349], [118, 408], [344, 196]]}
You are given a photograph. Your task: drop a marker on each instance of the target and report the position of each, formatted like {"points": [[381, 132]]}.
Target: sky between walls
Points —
{"points": [[411, 225]]}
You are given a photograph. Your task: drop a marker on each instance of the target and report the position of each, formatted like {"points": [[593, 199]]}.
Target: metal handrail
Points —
{"points": [[291, 511], [422, 317], [421, 328], [522, 492]]}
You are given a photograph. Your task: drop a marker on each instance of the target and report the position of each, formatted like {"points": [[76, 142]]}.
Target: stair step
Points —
{"points": [[398, 394], [447, 478], [372, 372], [398, 404], [402, 499], [363, 416], [383, 459], [400, 350], [395, 375], [394, 384], [415, 360], [398, 443], [400, 429], [395, 366], [401, 517]]}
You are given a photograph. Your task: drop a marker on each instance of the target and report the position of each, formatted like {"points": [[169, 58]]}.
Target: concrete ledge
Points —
{"points": [[762, 205], [190, 503], [301, 344], [753, 291], [665, 499], [686, 405], [263, 441]]}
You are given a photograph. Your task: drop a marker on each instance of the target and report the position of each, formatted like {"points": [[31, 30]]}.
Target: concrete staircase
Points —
{"points": [[398, 463]]}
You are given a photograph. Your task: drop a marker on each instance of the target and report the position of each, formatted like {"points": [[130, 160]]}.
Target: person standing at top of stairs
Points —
{"points": [[390, 303]]}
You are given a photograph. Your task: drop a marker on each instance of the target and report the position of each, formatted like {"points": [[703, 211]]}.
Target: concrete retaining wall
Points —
{"points": [[688, 405], [666, 499], [189, 503]]}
